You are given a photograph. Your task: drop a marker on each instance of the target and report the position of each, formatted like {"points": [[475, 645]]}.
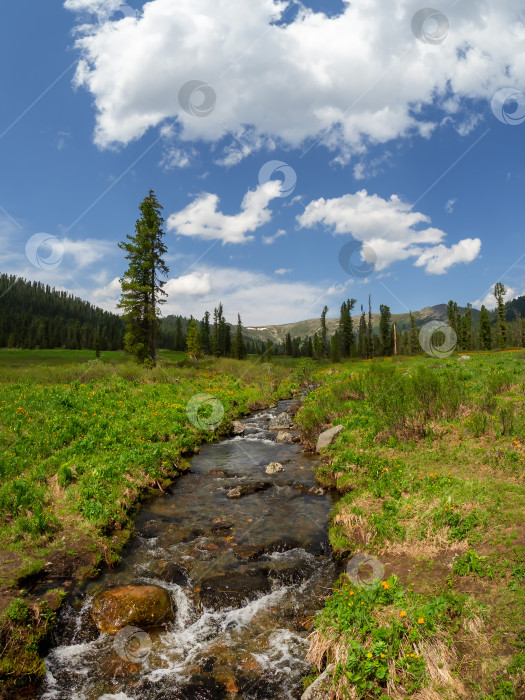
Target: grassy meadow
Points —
{"points": [[430, 468], [83, 441]]}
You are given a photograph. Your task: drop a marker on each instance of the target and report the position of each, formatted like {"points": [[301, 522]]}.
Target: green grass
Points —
{"points": [[88, 447], [82, 442], [431, 460]]}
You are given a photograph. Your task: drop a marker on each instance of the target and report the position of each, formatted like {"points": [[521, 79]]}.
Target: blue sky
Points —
{"points": [[412, 146]]}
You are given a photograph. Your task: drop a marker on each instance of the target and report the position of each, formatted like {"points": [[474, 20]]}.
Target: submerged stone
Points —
{"points": [[274, 468], [280, 422], [141, 606]]}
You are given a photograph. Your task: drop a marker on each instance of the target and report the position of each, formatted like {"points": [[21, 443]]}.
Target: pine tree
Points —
{"points": [[288, 349], [142, 287], [335, 347], [362, 343], [192, 340], [485, 333], [180, 340], [385, 330], [309, 349], [502, 330], [268, 350], [466, 328], [453, 316], [205, 333], [369, 330], [239, 349], [346, 331]]}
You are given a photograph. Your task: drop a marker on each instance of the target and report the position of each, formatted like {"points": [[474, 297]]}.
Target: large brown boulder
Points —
{"points": [[141, 606]]}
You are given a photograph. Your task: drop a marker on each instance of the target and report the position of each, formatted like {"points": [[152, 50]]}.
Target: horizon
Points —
{"points": [[324, 151]]}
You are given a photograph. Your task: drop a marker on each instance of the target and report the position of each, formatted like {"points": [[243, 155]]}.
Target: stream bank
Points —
{"points": [[245, 558]]}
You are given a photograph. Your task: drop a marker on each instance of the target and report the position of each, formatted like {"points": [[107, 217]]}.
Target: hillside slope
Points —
{"points": [[302, 329]]}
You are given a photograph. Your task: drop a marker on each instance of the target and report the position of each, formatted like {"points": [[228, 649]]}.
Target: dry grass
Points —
{"points": [[357, 528]]}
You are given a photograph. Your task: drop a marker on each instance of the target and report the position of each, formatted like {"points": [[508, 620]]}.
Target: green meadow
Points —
{"points": [[430, 468]]}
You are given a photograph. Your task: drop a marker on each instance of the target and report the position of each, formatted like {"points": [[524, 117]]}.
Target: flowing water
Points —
{"points": [[246, 577]]}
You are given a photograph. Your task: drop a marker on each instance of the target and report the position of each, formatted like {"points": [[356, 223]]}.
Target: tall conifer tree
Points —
{"points": [[142, 286]]}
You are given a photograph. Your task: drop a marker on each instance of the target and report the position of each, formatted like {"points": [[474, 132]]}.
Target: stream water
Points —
{"points": [[246, 577]]}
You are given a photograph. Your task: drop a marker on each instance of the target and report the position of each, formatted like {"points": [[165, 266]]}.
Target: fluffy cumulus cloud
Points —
{"points": [[357, 78], [202, 218], [259, 298], [391, 228]]}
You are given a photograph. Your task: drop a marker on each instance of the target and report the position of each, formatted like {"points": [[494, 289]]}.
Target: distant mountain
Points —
{"points": [[302, 329]]}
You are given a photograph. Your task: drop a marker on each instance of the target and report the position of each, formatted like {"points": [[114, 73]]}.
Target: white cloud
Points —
{"points": [[88, 251], [194, 284], [449, 206], [268, 240], [338, 289], [201, 218], [283, 271], [108, 294], [489, 300], [468, 124], [177, 158], [360, 77], [258, 297], [391, 228], [440, 259]]}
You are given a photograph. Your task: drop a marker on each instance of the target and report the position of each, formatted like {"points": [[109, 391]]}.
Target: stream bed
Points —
{"points": [[246, 576]]}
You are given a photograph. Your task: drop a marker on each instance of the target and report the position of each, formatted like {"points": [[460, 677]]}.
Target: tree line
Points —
{"points": [[34, 315], [500, 329]]}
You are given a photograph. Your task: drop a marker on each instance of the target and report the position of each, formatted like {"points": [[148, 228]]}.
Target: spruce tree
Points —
{"points": [[309, 349], [362, 343], [385, 330], [452, 315], [369, 330], [335, 347], [466, 328], [485, 334], [288, 348], [502, 330], [205, 333], [239, 349], [180, 340], [142, 286], [346, 331]]}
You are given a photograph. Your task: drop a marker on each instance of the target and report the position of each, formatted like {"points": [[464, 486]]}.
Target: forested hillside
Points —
{"points": [[34, 315]]}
